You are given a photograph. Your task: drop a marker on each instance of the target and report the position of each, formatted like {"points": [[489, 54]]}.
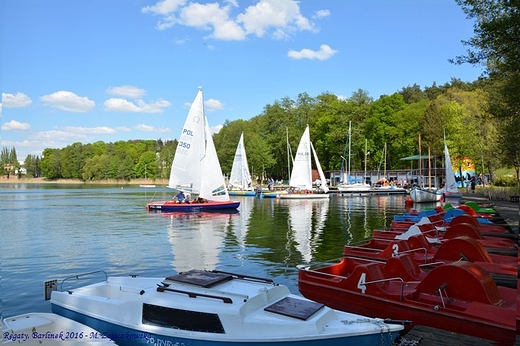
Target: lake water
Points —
{"points": [[53, 232]]}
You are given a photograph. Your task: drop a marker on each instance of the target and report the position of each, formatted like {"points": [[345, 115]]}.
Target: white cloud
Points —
{"points": [[212, 17], [56, 136], [215, 129], [68, 101], [164, 7], [321, 14], [213, 105], [282, 15], [280, 18], [148, 128], [103, 130], [127, 91], [17, 100], [125, 106], [14, 125], [324, 53]]}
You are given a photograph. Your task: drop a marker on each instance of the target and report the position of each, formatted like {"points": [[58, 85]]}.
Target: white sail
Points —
{"points": [[213, 186], [323, 184], [301, 175], [240, 177], [186, 168], [451, 183], [196, 168]]}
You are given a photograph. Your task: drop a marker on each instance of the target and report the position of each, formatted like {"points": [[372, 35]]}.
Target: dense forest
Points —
{"points": [[480, 120]]}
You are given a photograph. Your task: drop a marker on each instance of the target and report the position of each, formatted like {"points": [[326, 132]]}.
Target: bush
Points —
{"points": [[508, 181]]}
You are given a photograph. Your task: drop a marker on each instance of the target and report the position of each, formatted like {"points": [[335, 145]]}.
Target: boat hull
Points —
{"points": [[242, 193], [305, 196], [125, 335], [169, 206], [213, 308], [363, 291], [354, 188], [419, 195], [389, 190]]}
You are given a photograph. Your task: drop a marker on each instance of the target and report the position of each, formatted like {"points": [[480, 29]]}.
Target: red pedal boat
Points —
{"points": [[460, 297], [494, 245], [503, 269], [487, 229]]}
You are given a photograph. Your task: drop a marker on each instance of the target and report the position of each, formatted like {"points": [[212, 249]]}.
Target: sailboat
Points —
{"points": [[240, 182], [450, 191], [146, 179], [420, 194], [353, 187], [196, 169], [300, 181], [386, 187]]}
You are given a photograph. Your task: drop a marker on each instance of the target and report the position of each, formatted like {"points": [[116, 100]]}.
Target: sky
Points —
{"points": [[98, 70]]}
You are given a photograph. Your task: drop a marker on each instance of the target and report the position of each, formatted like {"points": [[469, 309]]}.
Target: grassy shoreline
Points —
{"points": [[13, 181]]}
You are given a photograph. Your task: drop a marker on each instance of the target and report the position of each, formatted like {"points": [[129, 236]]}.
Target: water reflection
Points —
{"points": [[306, 223], [197, 239]]}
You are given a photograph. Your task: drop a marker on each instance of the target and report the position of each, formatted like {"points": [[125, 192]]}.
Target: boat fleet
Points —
{"points": [[453, 268]]}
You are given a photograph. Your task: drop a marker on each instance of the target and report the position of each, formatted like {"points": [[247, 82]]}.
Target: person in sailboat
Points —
{"points": [[180, 197]]}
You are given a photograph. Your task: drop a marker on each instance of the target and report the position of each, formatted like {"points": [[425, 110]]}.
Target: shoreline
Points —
{"points": [[14, 181]]}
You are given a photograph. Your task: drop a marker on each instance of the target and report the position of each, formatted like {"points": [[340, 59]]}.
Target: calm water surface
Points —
{"points": [[52, 232]]}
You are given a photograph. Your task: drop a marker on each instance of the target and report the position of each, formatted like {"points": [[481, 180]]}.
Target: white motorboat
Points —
{"points": [[214, 308]]}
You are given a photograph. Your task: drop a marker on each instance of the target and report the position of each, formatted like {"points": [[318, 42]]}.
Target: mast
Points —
{"points": [[288, 153], [429, 170], [384, 169], [349, 147], [420, 163], [366, 153]]}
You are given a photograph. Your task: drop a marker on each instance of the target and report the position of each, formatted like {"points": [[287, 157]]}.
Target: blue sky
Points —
{"points": [[84, 71]]}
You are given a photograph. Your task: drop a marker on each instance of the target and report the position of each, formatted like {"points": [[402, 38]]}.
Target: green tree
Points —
{"points": [[51, 164], [496, 44]]}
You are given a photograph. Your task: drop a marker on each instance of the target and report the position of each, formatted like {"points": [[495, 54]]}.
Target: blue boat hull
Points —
{"points": [[125, 336]]}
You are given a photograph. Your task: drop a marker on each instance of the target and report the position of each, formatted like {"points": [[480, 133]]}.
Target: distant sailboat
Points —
{"points": [[386, 187], [301, 175], [420, 194], [240, 182], [146, 179], [196, 169], [450, 191], [353, 187]]}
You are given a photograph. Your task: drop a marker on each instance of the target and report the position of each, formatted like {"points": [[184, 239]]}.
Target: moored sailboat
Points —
{"points": [[301, 176], [421, 194], [356, 187]]}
